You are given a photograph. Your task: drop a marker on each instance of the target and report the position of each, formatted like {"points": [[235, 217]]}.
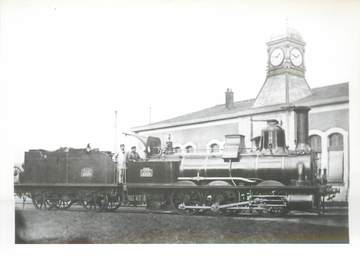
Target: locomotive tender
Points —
{"points": [[271, 180]]}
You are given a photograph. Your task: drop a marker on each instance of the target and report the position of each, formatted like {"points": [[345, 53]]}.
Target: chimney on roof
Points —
{"points": [[229, 99]]}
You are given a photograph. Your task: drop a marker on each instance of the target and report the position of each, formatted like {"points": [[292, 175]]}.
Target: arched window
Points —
{"points": [[315, 143], [214, 148], [177, 149], [336, 142], [189, 149]]}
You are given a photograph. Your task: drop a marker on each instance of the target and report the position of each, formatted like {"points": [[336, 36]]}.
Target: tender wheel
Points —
{"points": [[63, 204], [40, 201], [88, 201], [113, 202], [49, 204], [95, 201], [87, 204], [101, 201], [37, 200]]}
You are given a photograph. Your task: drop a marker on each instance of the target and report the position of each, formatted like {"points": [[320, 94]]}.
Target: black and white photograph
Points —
{"points": [[179, 122]]}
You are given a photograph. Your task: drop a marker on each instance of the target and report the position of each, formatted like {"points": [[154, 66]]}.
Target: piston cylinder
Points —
{"points": [[300, 202]]}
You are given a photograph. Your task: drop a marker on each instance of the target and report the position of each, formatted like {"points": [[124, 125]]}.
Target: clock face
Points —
{"points": [[277, 57], [296, 57]]}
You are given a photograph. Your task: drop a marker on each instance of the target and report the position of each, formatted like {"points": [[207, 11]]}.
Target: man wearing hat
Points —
{"points": [[133, 156]]}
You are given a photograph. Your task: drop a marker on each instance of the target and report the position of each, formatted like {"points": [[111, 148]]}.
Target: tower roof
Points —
{"points": [[287, 33]]}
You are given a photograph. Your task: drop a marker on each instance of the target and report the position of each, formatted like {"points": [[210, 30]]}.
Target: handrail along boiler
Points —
{"points": [[271, 180]]}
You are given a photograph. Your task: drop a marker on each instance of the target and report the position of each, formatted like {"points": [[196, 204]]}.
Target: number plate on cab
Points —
{"points": [[146, 172]]}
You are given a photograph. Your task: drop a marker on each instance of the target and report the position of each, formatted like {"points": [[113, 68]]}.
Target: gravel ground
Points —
{"points": [[34, 226]]}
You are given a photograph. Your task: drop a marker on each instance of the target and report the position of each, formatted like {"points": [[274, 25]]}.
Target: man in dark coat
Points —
{"points": [[133, 156]]}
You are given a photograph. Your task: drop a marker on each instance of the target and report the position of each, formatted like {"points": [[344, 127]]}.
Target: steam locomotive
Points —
{"points": [[271, 180]]}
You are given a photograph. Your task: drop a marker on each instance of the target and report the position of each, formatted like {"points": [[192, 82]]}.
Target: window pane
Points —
{"points": [[189, 149], [315, 143], [214, 148], [336, 141]]}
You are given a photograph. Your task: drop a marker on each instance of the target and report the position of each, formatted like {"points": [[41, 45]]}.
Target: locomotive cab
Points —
{"points": [[153, 146]]}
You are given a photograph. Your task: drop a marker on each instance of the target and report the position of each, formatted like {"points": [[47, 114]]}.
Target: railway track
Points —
{"points": [[141, 209]]}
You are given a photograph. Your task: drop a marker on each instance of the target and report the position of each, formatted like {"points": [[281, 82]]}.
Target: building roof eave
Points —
{"points": [[247, 112], [247, 109]]}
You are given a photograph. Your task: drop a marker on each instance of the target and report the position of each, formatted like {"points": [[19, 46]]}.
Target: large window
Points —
{"points": [[177, 149], [336, 142], [336, 157], [315, 144]]}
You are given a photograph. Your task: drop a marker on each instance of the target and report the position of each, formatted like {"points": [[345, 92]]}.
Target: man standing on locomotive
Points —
{"points": [[120, 160], [133, 156]]}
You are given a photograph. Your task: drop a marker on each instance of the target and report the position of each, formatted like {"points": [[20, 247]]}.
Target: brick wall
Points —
{"points": [[329, 119]]}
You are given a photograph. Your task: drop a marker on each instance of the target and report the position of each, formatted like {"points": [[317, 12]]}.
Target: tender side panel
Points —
{"points": [[72, 167], [93, 167], [44, 167]]}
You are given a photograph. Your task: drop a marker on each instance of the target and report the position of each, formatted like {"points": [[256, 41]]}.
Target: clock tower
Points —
{"points": [[285, 76]]}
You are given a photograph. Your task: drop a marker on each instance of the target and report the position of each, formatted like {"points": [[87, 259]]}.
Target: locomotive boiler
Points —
{"points": [[270, 180]]}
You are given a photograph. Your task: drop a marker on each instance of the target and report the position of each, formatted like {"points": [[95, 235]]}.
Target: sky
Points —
{"points": [[68, 65]]}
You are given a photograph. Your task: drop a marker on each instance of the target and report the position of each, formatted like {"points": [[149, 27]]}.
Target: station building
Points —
{"points": [[285, 86]]}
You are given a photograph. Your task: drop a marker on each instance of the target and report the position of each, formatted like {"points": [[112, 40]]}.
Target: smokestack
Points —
{"points": [[302, 128], [229, 99]]}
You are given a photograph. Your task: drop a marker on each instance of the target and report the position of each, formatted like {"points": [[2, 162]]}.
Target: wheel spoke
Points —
{"points": [[63, 204], [37, 200]]}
